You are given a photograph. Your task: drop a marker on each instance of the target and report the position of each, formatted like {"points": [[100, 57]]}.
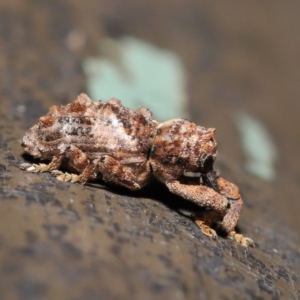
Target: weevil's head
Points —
{"points": [[182, 147]]}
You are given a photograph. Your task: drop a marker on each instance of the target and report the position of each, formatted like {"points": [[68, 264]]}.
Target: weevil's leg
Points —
{"points": [[232, 215], [80, 162], [206, 220], [35, 168], [203, 196], [113, 171], [88, 173], [199, 194], [206, 229], [231, 191], [209, 218], [228, 189], [242, 240], [230, 220], [210, 180]]}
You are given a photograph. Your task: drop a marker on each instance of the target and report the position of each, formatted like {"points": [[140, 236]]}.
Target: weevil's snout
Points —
{"points": [[207, 164]]}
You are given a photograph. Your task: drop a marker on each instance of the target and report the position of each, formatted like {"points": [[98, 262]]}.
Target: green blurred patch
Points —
{"points": [[258, 145], [139, 74]]}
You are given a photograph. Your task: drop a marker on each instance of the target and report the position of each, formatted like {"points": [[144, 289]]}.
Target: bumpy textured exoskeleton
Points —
{"points": [[127, 147]]}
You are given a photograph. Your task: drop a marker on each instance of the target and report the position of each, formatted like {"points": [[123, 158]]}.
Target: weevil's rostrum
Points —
{"points": [[127, 147]]}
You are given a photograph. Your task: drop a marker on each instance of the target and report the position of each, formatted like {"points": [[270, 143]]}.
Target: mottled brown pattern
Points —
{"points": [[127, 147], [181, 146]]}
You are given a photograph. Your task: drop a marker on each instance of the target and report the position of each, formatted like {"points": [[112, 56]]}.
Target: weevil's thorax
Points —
{"points": [[181, 146]]}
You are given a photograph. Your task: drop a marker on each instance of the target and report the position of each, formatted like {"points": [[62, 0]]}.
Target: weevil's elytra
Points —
{"points": [[128, 147]]}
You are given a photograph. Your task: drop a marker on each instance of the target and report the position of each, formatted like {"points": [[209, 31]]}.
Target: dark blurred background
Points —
{"points": [[237, 69]]}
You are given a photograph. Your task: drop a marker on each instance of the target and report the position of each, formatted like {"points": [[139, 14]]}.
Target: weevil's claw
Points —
{"points": [[206, 229], [242, 240]]}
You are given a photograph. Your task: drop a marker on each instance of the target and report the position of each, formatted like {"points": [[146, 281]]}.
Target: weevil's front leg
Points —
{"points": [[231, 192], [206, 197], [35, 168], [206, 220], [200, 194]]}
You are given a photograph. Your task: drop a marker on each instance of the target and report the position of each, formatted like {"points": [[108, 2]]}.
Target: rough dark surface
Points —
{"points": [[67, 241]]}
